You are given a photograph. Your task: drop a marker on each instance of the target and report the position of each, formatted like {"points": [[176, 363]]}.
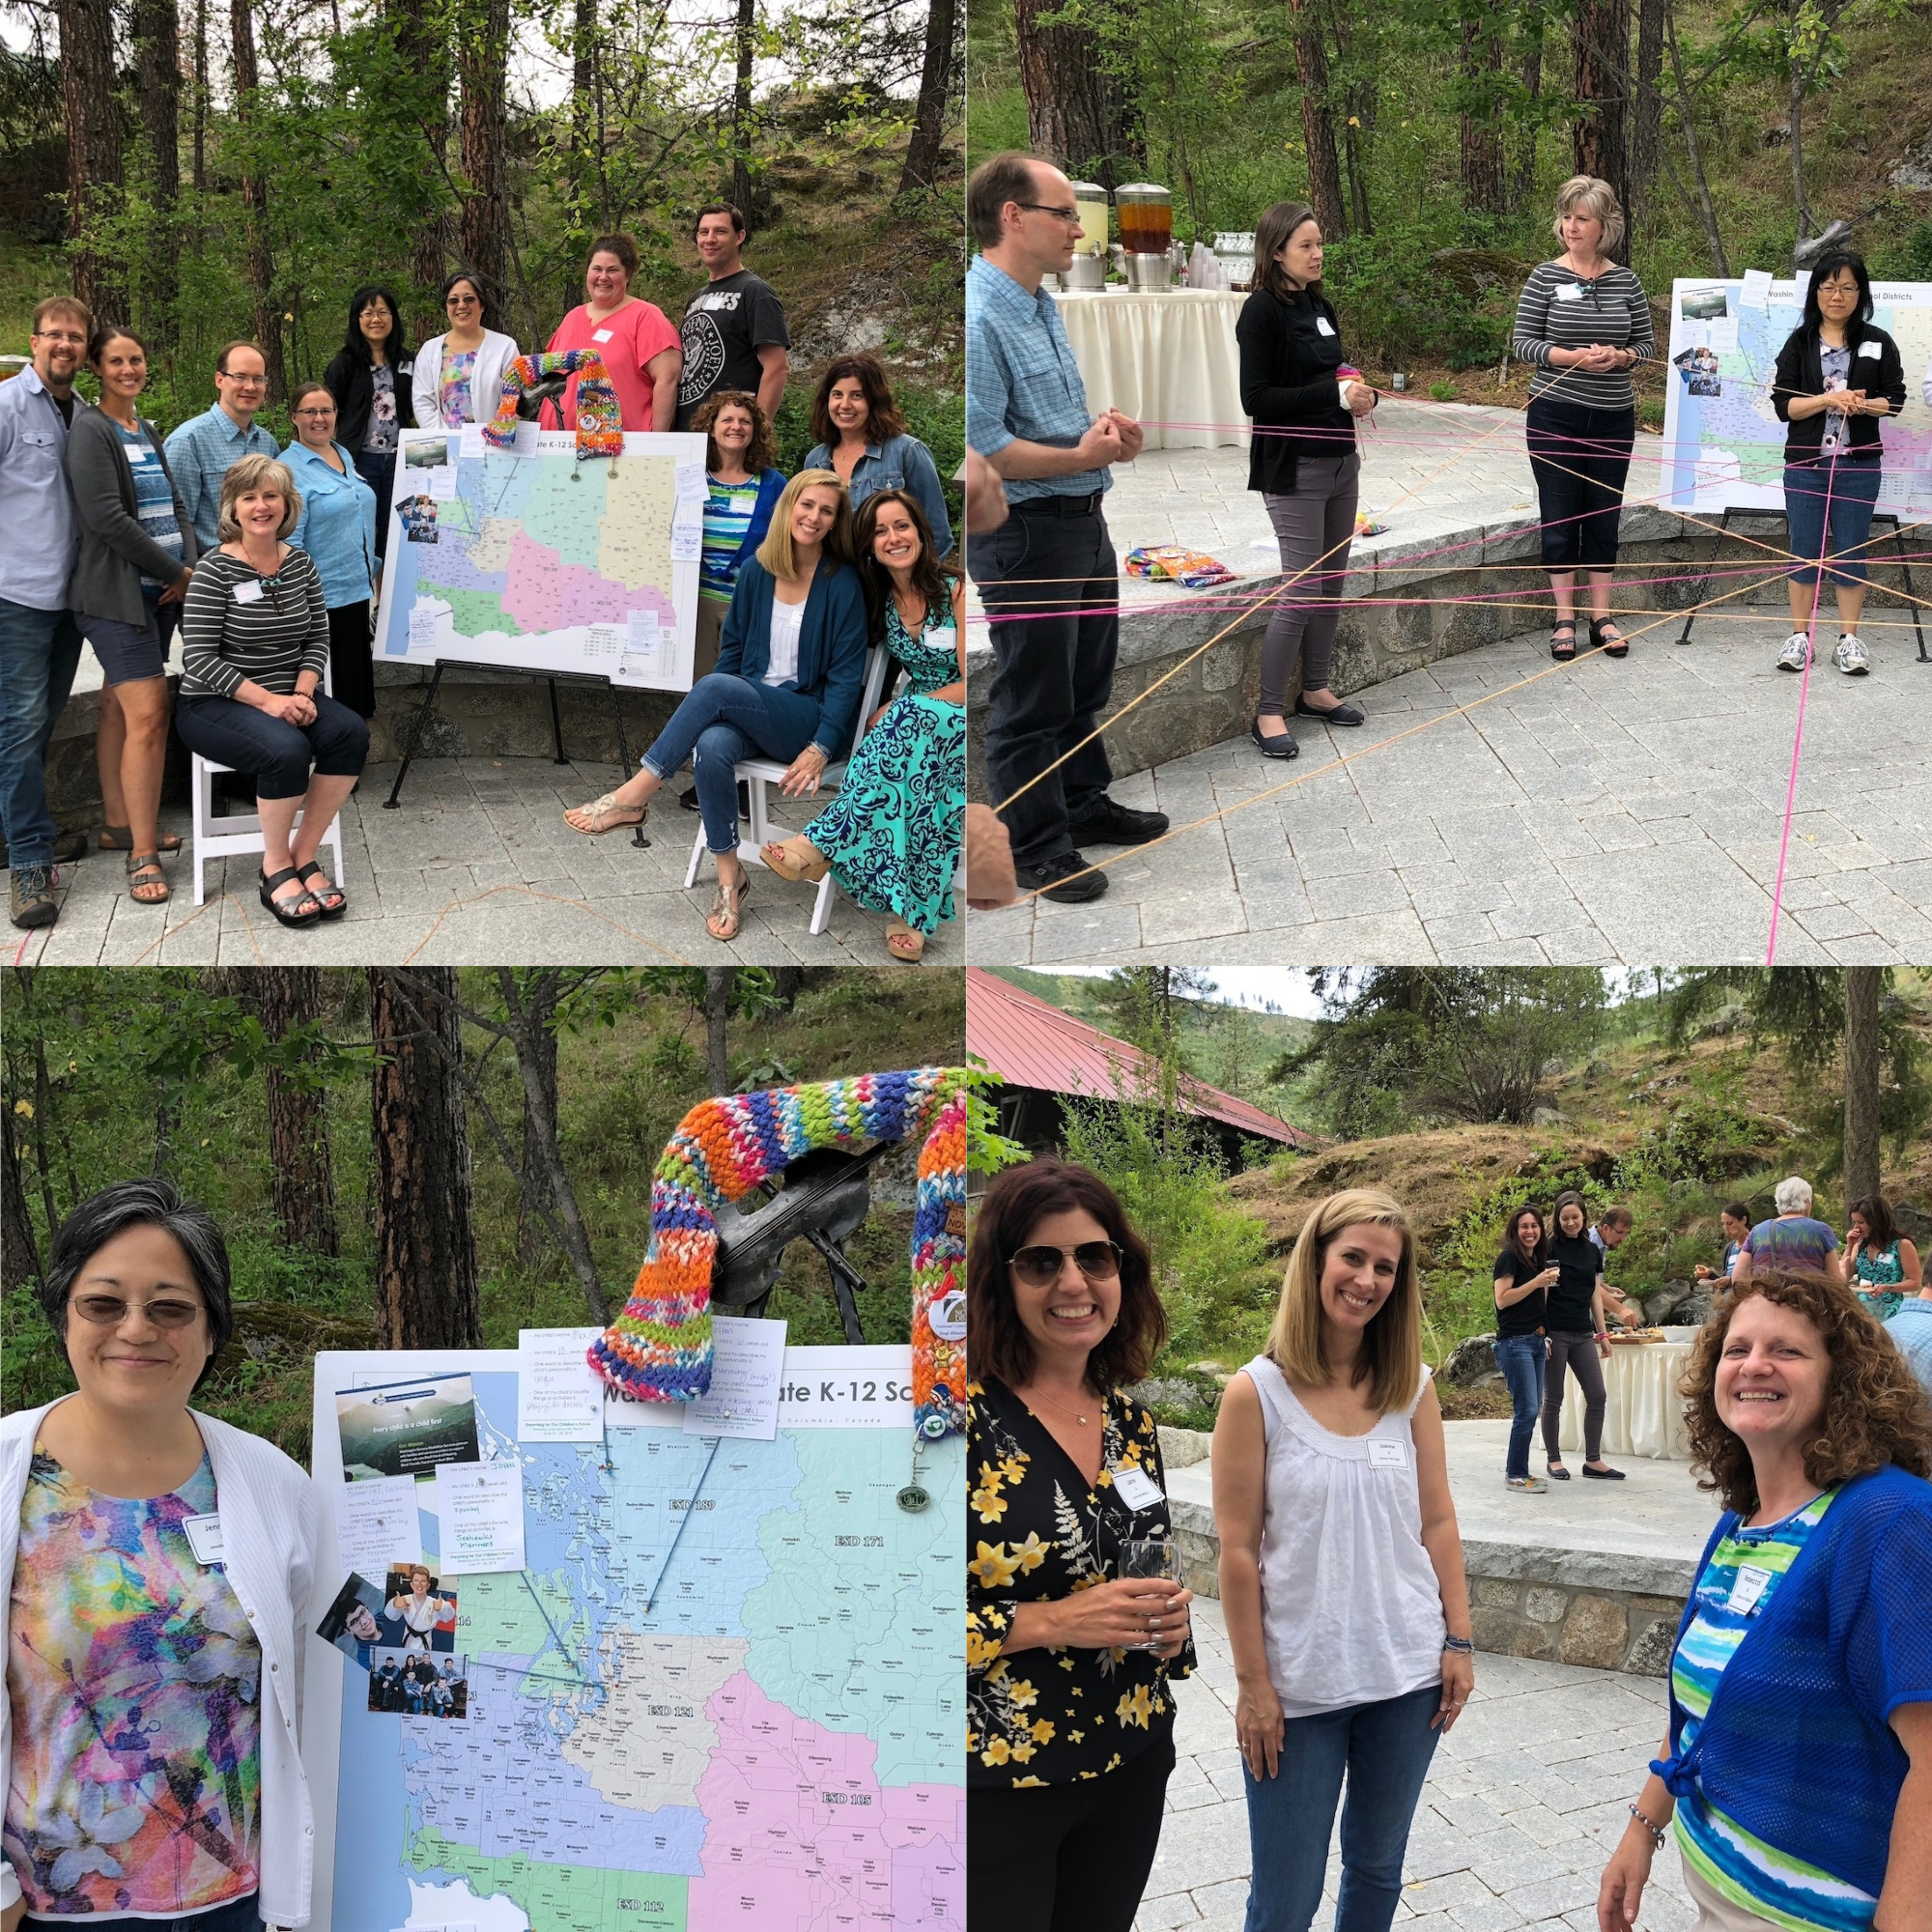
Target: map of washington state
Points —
{"points": [[647, 1743]]}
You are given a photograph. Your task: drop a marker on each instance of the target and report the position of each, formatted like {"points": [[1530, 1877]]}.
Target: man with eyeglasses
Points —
{"points": [[40, 641], [1048, 575], [203, 450]]}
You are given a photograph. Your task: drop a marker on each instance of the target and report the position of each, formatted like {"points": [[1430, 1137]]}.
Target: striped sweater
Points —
{"points": [[273, 629], [1561, 310]]}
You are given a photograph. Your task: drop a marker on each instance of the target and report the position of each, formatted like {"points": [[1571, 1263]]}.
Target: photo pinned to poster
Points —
{"points": [[417, 1613], [419, 516], [354, 1622], [413, 1684], [407, 1429]]}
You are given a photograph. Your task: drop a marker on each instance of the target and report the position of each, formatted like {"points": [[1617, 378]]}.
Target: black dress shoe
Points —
{"points": [[1112, 824], [1343, 714], [1077, 890], [687, 799], [1281, 745]]}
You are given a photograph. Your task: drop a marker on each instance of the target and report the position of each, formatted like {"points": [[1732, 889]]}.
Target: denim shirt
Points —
{"points": [[337, 526], [900, 462], [35, 505]]}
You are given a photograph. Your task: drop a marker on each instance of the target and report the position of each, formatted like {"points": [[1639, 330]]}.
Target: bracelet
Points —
{"points": [[1658, 1833], [1463, 1646]]}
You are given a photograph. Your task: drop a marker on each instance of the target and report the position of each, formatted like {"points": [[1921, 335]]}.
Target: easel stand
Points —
{"points": [[1878, 517], [394, 799]]}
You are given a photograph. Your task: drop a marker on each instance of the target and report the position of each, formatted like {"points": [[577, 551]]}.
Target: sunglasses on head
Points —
{"points": [[1039, 1265]]}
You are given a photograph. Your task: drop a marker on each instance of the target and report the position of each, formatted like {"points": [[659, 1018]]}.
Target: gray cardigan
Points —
{"points": [[114, 548]]}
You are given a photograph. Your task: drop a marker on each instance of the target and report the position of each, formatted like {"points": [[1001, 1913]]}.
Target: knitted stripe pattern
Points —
{"points": [[658, 1350], [600, 416]]}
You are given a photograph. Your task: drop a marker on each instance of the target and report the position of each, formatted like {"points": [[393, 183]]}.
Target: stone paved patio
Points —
{"points": [[1605, 813], [477, 867], [1524, 1801]]}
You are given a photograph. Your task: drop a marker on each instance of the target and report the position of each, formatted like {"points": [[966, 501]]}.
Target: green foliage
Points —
{"points": [[987, 1150]]}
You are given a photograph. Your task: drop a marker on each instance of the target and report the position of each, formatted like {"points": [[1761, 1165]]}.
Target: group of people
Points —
{"points": [[1048, 575], [1794, 1770], [269, 559], [420, 1686]]}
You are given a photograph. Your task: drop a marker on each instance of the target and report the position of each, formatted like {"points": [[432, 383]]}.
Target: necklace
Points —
{"points": [[1082, 1420]]}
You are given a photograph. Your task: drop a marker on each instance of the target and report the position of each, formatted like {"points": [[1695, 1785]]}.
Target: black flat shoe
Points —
{"points": [[1604, 1475], [1282, 746], [1343, 714], [1557, 1474], [1044, 879], [1611, 648], [1110, 823]]}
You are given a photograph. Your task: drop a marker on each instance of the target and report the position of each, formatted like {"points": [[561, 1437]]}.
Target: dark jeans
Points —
{"points": [[1386, 1750], [352, 676], [1065, 1858], [1581, 500], [228, 732], [40, 652], [1521, 1358], [1313, 528], [239, 1915], [378, 469], [1579, 1352], [724, 721], [1051, 564], [1848, 492]]}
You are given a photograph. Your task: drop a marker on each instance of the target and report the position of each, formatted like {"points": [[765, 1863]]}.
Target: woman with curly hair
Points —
{"points": [[743, 484], [1797, 1765], [1070, 1721]]}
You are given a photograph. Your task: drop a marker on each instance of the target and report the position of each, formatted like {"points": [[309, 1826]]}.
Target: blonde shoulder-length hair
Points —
{"points": [[256, 473], [775, 552], [1592, 196], [1391, 1358]]}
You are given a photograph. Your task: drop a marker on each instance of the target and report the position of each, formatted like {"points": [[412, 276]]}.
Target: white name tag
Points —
{"points": [[602, 335], [1872, 349], [1751, 1585], [1136, 1487], [203, 1538], [145, 455], [1321, 326], [1388, 1456], [1568, 292], [248, 590]]}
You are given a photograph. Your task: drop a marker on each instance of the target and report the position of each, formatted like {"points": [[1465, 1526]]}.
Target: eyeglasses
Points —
{"points": [[313, 415], [1047, 207], [461, 301], [109, 1311], [242, 381], [1040, 1266]]}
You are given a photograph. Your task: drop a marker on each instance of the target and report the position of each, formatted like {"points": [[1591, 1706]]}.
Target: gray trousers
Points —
{"points": [[1313, 528], [1579, 1352]]}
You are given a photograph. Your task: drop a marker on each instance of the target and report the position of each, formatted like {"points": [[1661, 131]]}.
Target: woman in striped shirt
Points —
{"points": [[743, 485], [1584, 321], [255, 648]]}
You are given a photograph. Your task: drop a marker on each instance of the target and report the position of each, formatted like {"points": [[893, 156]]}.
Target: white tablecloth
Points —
{"points": [[1644, 1414], [1161, 357]]}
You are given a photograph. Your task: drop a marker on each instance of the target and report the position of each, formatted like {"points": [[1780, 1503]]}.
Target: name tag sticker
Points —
{"points": [[248, 590], [1136, 1487], [141, 455], [1872, 349], [1322, 326], [1568, 292], [203, 1538], [1388, 1456], [602, 335], [1750, 1586]]}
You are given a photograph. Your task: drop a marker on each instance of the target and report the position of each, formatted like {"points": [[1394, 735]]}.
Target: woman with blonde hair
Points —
{"points": [[1342, 1576], [1583, 319], [791, 669]]}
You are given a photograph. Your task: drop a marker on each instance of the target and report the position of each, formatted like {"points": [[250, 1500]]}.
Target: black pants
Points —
{"points": [[1065, 1858], [1053, 560], [352, 676], [1578, 1352], [1580, 500]]}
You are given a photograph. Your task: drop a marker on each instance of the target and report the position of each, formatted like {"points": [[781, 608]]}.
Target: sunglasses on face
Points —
{"points": [[1040, 1266], [109, 1311]]}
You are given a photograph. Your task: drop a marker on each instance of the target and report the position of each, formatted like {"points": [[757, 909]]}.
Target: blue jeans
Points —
{"points": [[228, 732], [40, 652], [724, 720], [239, 1915], [377, 468], [1521, 1358], [1386, 1750], [1852, 489]]}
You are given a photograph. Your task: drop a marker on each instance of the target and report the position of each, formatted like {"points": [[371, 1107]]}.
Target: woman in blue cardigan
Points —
{"points": [[791, 667], [1797, 1765]]}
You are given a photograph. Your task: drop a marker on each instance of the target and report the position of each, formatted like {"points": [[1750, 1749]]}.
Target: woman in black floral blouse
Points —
{"points": [[1070, 1735]]}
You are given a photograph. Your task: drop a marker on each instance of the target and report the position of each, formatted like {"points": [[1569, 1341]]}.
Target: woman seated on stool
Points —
{"points": [[791, 669], [255, 643]]}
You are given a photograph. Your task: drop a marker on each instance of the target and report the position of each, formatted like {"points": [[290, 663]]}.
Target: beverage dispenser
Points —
{"points": [[1088, 269], [1146, 234]]}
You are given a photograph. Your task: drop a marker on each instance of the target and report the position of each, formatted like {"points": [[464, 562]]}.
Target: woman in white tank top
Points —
{"points": [[1340, 1569]]}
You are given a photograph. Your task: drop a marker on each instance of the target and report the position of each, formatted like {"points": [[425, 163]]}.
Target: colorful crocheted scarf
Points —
{"points": [[600, 416], [660, 1347]]}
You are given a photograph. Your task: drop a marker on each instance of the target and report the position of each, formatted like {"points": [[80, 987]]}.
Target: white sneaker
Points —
{"points": [[1528, 1486], [1796, 647], [1850, 656]]}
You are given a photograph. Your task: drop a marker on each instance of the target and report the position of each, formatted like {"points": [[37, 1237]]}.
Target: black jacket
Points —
{"points": [[1288, 381], [1800, 373], [353, 383]]}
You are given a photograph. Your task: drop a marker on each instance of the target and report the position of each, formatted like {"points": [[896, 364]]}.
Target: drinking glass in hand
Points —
{"points": [[1150, 1556]]}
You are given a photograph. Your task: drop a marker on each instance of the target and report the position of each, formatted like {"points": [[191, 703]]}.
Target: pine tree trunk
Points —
{"points": [[20, 1251], [157, 68], [1482, 138], [200, 97], [1069, 118], [745, 39], [425, 1250], [302, 1175], [1707, 213], [935, 95], [93, 140], [255, 199], [717, 1012], [1522, 172], [535, 1248], [1600, 134], [1318, 122], [484, 234], [1646, 143], [423, 43], [1862, 1074]]}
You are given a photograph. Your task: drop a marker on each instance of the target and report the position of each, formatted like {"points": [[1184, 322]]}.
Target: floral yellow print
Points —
{"points": [[1039, 1531]]}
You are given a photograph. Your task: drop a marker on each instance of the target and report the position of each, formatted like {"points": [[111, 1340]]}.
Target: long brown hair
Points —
{"points": [[1271, 233], [883, 420], [931, 579]]}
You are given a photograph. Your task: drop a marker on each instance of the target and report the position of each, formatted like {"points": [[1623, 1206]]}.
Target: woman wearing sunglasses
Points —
{"points": [[154, 1571], [1070, 1721]]}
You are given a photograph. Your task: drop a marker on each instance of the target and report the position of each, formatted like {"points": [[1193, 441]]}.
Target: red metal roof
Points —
{"points": [[1032, 1045]]}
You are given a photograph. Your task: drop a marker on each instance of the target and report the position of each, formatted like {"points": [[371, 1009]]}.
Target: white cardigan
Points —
{"points": [[268, 1512], [486, 378]]}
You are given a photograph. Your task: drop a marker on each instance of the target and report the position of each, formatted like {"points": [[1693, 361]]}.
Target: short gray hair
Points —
{"points": [[253, 473], [1792, 1195], [1594, 196]]}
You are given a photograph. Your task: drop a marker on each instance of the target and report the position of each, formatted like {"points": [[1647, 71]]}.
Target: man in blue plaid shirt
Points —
{"points": [[1048, 575]]}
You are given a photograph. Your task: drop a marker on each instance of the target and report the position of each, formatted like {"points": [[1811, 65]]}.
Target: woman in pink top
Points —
{"points": [[639, 346]]}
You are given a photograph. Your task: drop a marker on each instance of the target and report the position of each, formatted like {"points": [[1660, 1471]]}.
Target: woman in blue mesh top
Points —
{"points": [[1797, 1769]]}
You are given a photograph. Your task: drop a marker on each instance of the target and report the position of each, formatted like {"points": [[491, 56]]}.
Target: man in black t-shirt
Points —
{"points": [[735, 328]]}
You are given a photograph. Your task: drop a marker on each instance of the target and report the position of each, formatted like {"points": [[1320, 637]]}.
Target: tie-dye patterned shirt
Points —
{"points": [[134, 1683]]}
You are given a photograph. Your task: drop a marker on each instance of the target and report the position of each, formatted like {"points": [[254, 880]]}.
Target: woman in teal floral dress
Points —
{"points": [[1881, 1265], [891, 838]]}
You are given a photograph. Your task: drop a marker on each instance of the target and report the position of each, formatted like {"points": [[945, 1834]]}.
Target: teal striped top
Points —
{"points": [[1740, 1579], [727, 519]]}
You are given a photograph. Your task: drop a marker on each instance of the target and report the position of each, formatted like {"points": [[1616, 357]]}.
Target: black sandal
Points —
{"points": [[1611, 648], [288, 911], [1562, 653], [322, 894]]}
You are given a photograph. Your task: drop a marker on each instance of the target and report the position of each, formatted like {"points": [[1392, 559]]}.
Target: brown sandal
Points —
{"points": [[600, 809], [144, 876], [787, 865], [728, 909], [903, 943], [121, 838]]}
